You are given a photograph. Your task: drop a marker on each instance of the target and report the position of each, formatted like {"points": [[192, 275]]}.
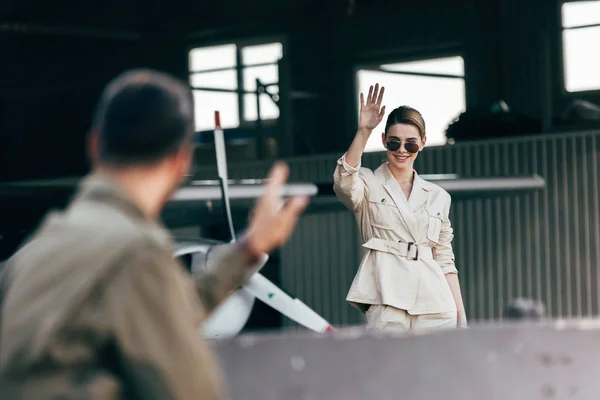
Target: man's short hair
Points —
{"points": [[142, 117]]}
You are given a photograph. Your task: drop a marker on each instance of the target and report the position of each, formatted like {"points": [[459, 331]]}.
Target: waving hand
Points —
{"points": [[371, 112]]}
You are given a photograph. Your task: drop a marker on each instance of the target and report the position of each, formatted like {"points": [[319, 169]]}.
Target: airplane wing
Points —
{"points": [[24, 203], [238, 191], [194, 191], [491, 185]]}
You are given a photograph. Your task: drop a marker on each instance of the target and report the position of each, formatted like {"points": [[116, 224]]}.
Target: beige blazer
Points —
{"points": [[407, 242]]}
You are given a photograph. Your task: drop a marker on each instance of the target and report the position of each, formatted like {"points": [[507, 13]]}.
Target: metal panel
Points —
{"points": [[493, 363], [544, 245], [326, 247]]}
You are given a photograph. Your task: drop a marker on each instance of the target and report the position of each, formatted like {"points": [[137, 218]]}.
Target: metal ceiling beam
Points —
{"points": [[98, 33]]}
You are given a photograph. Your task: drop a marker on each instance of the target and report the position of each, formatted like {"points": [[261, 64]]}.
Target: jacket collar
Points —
{"points": [[417, 199], [96, 187]]}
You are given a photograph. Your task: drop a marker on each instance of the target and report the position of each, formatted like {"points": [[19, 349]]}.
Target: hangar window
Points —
{"points": [[435, 87], [225, 77], [581, 35]]}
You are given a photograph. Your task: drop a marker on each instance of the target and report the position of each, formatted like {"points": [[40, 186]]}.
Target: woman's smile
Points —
{"points": [[402, 158]]}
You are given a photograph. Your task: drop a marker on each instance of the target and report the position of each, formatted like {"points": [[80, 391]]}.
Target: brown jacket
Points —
{"points": [[96, 307]]}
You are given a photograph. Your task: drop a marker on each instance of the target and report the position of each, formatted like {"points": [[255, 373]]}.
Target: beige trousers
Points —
{"points": [[383, 318]]}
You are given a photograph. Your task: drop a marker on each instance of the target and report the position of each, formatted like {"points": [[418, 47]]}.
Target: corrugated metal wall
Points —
{"points": [[544, 245]]}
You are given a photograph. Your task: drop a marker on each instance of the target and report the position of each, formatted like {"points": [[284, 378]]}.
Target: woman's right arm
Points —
{"points": [[357, 148], [348, 185]]}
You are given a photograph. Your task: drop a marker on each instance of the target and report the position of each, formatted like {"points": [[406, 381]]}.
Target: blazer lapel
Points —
{"points": [[403, 206], [419, 195]]}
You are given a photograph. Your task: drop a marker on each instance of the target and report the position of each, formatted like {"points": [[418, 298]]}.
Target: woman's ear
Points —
{"points": [[423, 141], [383, 138], [93, 148]]}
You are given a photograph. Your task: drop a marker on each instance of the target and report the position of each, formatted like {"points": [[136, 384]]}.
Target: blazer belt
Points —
{"points": [[410, 250]]}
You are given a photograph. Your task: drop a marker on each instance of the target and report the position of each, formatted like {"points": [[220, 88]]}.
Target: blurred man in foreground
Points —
{"points": [[95, 306]]}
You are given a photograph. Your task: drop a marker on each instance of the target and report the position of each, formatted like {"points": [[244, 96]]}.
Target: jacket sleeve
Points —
{"points": [[3, 287], [442, 251], [349, 184], [154, 316], [227, 268]]}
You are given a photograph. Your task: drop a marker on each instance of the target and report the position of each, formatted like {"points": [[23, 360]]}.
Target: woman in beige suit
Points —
{"points": [[407, 278]]}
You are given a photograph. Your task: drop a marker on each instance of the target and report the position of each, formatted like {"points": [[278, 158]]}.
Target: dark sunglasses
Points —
{"points": [[394, 145]]}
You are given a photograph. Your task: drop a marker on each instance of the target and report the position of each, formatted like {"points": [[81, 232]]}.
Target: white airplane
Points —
{"points": [[231, 316]]}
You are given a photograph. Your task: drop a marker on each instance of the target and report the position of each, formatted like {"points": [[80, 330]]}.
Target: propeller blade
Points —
{"points": [[293, 308]]}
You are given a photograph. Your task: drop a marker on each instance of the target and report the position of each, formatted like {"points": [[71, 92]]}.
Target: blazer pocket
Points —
{"points": [[434, 227], [382, 215]]}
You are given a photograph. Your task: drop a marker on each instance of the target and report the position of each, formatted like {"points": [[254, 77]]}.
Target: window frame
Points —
{"points": [[239, 68], [371, 62], [561, 62]]}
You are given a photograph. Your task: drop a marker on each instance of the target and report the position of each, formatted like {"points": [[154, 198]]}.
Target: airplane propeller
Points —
{"points": [[237, 307]]}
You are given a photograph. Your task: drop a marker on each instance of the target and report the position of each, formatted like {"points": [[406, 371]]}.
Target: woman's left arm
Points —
{"points": [[454, 284], [444, 255]]}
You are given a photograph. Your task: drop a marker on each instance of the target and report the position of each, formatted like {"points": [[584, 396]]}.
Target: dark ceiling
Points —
{"points": [[129, 18]]}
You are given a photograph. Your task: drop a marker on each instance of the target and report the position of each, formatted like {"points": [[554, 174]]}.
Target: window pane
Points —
{"points": [[218, 80], [582, 62], [263, 53], [267, 74], [448, 65], [580, 13], [268, 109], [206, 103], [214, 57], [439, 100]]}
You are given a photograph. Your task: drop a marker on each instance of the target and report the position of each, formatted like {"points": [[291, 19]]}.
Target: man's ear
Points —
{"points": [[93, 147], [184, 159]]}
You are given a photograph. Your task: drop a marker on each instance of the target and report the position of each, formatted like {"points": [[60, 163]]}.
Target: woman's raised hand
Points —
{"points": [[371, 112]]}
